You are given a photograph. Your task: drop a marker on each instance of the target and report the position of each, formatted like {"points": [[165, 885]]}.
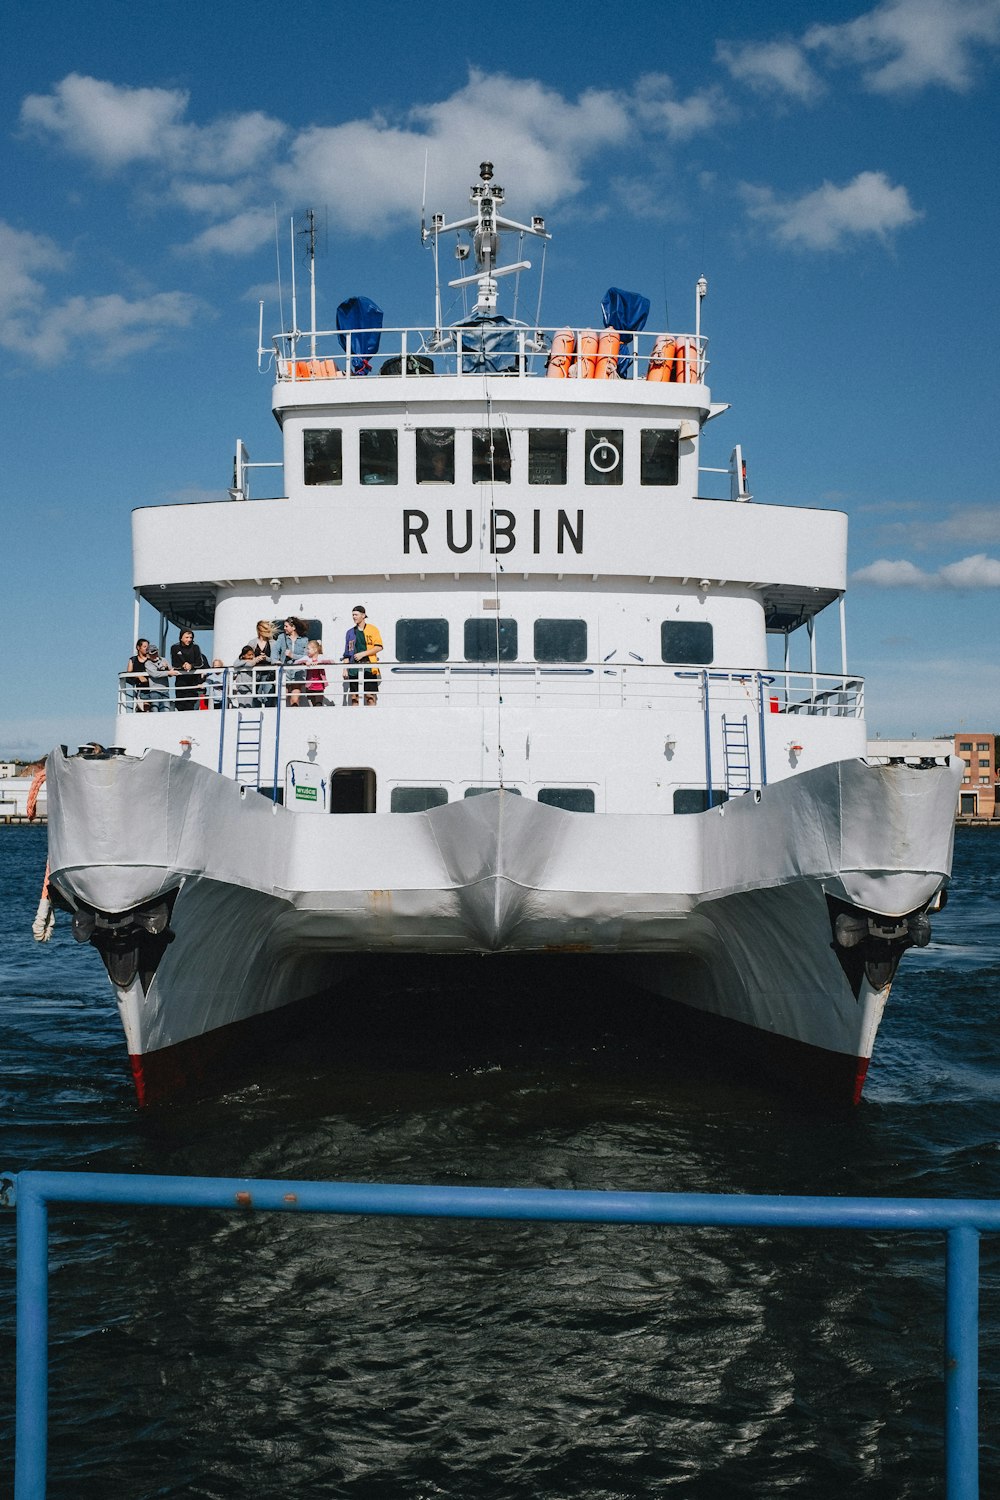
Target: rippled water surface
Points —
{"points": [[223, 1355]]}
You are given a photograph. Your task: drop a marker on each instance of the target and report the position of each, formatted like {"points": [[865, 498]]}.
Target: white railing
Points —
{"points": [[608, 684], [504, 349]]}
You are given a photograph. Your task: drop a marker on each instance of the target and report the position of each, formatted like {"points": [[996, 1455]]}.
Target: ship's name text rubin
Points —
{"points": [[502, 532]]}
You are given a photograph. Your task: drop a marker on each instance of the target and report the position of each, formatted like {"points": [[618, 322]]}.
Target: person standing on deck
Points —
{"points": [[361, 648]]}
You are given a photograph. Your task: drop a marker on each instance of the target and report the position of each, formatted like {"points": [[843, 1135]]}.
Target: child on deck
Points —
{"points": [[315, 675]]}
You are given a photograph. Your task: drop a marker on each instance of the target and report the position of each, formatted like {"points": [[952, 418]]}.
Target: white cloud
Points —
{"points": [[899, 47], [772, 67], [976, 572], [22, 256], [236, 236], [904, 45], [830, 216], [105, 122], [658, 108], [114, 126], [104, 326], [889, 574]]}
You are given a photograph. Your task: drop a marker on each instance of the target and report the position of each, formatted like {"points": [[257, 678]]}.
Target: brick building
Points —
{"points": [[977, 751]]}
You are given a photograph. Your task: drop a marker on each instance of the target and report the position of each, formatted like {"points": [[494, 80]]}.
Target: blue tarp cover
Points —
{"points": [[489, 344], [360, 312], [626, 311]]}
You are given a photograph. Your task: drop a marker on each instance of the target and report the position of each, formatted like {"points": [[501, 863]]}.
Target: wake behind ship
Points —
{"points": [[492, 677]]}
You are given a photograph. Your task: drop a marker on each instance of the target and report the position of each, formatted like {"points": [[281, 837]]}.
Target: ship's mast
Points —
{"points": [[486, 224]]}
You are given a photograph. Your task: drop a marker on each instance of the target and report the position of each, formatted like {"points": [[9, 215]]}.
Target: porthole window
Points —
{"points": [[569, 798], [687, 642], [547, 455], [435, 455], [490, 640], [411, 799], [379, 455], [322, 455], [421, 640], [560, 640], [490, 456], [603, 456], [658, 460]]}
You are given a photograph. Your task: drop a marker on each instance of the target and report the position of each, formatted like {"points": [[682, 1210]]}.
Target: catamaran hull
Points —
{"points": [[214, 910]]}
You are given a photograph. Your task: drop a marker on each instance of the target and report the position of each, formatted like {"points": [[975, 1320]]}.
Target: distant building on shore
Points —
{"points": [[977, 795]]}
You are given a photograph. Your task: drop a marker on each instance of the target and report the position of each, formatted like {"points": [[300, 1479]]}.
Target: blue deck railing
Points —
{"points": [[962, 1221]]}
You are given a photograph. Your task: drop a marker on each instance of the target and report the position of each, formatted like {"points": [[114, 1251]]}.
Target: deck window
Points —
{"points": [[435, 455], [694, 799], [491, 640], [603, 456], [560, 640], [687, 642], [410, 799], [569, 798], [547, 455], [379, 455], [421, 640], [480, 791], [659, 452], [490, 456], [322, 455]]}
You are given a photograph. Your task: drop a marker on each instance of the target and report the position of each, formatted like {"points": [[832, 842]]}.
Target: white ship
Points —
{"points": [[577, 744]]}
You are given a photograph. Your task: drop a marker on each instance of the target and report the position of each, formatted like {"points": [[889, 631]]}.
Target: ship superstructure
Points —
{"points": [[577, 743]]}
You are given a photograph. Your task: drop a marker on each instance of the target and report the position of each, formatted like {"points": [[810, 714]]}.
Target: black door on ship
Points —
{"points": [[352, 790]]}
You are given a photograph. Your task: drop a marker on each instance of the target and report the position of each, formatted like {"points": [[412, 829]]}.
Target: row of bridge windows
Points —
{"points": [[682, 642], [408, 799], [435, 463]]}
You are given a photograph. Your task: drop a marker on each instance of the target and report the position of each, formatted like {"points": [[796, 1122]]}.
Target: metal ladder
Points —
{"points": [[736, 750], [249, 734]]}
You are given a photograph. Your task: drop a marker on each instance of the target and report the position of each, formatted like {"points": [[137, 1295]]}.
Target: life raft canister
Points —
{"points": [[608, 346], [661, 361], [561, 355], [586, 364]]}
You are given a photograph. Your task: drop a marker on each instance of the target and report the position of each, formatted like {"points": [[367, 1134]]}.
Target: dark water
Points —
{"points": [[207, 1354]]}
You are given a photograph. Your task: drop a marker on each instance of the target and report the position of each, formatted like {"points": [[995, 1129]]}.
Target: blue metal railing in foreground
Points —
{"points": [[962, 1221]]}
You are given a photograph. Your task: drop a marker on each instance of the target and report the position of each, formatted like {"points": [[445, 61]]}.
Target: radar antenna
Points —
{"points": [[486, 225]]}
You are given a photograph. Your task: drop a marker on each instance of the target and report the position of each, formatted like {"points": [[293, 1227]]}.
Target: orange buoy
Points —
{"points": [[302, 370], [561, 356], [586, 364], [608, 346]]}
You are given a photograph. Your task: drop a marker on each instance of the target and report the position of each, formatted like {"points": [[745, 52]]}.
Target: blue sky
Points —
{"points": [[830, 168]]}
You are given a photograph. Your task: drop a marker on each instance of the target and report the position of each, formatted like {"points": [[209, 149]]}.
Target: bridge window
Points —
{"points": [[490, 467], [546, 455], [603, 456], [659, 455], [410, 799], [435, 455], [491, 640], [480, 791], [322, 455], [560, 640], [687, 642], [569, 798], [421, 640], [379, 455]]}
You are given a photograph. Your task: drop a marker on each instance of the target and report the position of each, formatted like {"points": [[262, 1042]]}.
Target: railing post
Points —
{"points": [[279, 687], [708, 741], [222, 716], [961, 1364], [32, 1397], [762, 725]]}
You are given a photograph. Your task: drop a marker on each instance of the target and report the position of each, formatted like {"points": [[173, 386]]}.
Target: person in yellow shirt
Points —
{"points": [[361, 649]]}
